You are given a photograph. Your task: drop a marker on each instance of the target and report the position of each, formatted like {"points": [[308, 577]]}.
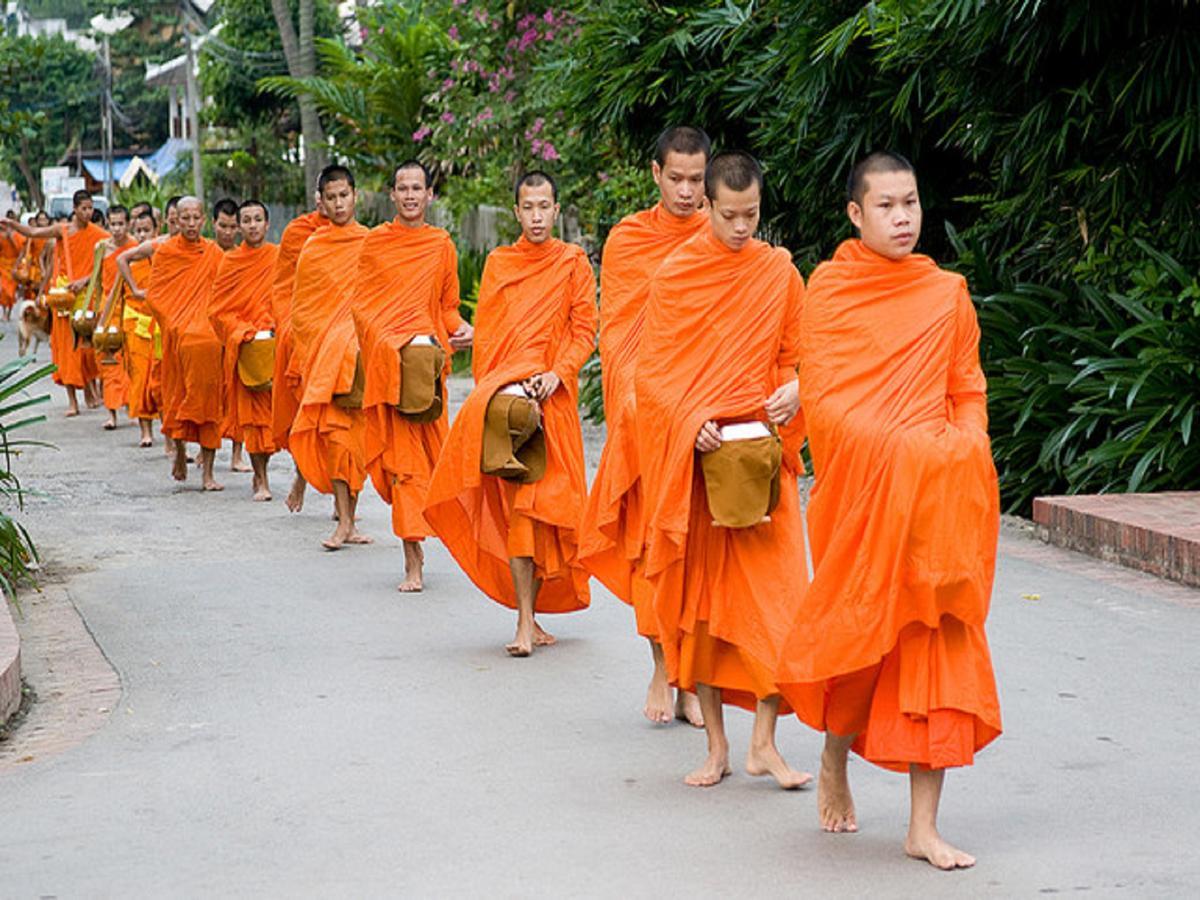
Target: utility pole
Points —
{"points": [[193, 117], [108, 26]]}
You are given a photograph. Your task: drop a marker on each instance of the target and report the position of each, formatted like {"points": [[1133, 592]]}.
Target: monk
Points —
{"points": [[113, 376], [285, 393], [240, 310], [180, 283], [76, 242], [225, 233], [719, 351], [535, 326], [888, 654], [326, 438], [171, 211], [11, 243], [612, 534], [407, 288], [142, 351]]}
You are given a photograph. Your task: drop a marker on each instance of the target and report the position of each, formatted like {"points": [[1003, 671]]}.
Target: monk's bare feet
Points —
{"points": [[414, 568], [357, 537], [211, 484], [179, 468], [712, 771], [523, 643], [71, 412], [295, 497], [111, 424], [146, 442], [658, 699], [262, 493], [766, 760], [929, 846], [343, 535], [543, 638], [835, 804], [687, 709]]}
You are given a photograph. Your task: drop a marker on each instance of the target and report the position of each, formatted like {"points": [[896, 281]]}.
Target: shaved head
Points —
{"points": [[190, 201], [876, 163]]}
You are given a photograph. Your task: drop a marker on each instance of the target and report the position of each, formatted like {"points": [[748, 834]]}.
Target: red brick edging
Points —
{"points": [[10, 663]]}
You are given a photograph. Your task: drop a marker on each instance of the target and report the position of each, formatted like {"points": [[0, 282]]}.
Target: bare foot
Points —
{"points": [[712, 771], [658, 700], [687, 709], [295, 497], [179, 468], [542, 638], [239, 465], [835, 804], [414, 565], [71, 413], [930, 847], [768, 761], [524, 641], [357, 537], [110, 425], [146, 442], [210, 484], [262, 494]]}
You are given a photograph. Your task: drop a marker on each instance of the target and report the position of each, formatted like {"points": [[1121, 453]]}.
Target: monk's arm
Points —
{"points": [[967, 385], [33, 231], [784, 403], [580, 340], [144, 250]]}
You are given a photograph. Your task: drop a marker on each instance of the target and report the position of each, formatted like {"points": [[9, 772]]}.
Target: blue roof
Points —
{"points": [[162, 161], [95, 167]]}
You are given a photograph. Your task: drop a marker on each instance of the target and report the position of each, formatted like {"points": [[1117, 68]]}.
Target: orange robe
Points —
{"points": [[407, 285], [180, 284], [326, 440], [73, 258], [889, 642], [112, 374], [721, 333], [612, 534], [536, 313], [240, 306], [10, 249], [285, 393], [143, 362]]}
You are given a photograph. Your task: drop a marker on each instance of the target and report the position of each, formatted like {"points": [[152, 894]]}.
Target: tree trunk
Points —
{"points": [[301, 54], [35, 184]]}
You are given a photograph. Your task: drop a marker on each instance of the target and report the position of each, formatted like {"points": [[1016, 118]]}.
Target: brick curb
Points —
{"points": [[10, 663]]}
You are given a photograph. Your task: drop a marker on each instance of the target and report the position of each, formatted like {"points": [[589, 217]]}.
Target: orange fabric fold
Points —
{"points": [[180, 284], [721, 334], [73, 258], [142, 366], [536, 312], [114, 378], [285, 393], [10, 249], [904, 514], [240, 307], [326, 441], [406, 285], [612, 535]]}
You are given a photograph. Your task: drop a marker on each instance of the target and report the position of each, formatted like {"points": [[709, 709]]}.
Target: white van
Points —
{"points": [[60, 206]]}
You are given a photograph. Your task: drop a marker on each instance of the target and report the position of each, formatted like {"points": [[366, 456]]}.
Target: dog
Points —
{"points": [[33, 325]]}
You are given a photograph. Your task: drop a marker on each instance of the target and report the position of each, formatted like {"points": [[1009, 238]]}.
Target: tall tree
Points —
{"points": [[301, 54]]}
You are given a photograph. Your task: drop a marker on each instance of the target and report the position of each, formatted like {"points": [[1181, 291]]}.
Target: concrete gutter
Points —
{"points": [[10, 664]]}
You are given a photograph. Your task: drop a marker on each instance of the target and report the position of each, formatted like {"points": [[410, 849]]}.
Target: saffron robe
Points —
{"points": [[180, 284], [240, 307], [326, 440], [721, 333], [612, 535], [407, 285], [10, 249], [113, 376], [536, 313], [285, 387], [143, 363], [889, 643], [74, 254]]}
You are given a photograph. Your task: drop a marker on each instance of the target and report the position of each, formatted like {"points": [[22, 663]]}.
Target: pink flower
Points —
{"points": [[603, 176], [448, 118], [485, 115], [447, 84], [536, 146], [527, 39], [548, 151], [510, 96], [421, 133], [453, 32], [526, 21], [549, 17], [494, 83], [458, 3]]}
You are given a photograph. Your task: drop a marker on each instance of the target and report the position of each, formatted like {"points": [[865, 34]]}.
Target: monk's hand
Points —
{"points": [[783, 405], [79, 284], [138, 293], [542, 385], [709, 438], [462, 337]]}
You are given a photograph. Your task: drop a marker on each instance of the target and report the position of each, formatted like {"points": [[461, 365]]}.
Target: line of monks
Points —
{"points": [[718, 363]]}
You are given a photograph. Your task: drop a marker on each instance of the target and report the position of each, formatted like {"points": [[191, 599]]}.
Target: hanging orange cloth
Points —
{"points": [[721, 333], [326, 439], [11, 244], [74, 254], [239, 308], [180, 284], [536, 313], [113, 375], [904, 515], [285, 395], [142, 363], [612, 535], [407, 286]]}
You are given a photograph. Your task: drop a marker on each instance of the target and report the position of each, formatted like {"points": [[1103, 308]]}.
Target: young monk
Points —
{"points": [[285, 393], [240, 309], [888, 654], [171, 211], [534, 328], [76, 242], [180, 284], [407, 288], [143, 346], [612, 534], [225, 233], [10, 249], [326, 438], [719, 349], [113, 377]]}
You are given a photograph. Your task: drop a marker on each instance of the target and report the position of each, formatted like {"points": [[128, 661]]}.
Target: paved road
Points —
{"points": [[290, 725]]}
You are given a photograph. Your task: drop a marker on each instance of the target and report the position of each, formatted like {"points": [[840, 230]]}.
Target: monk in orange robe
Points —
{"points": [[285, 394], [327, 435], [142, 350], [113, 377], [10, 249], [612, 536], [407, 288], [225, 234], [76, 242], [239, 310], [180, 284], [718, 353], [888, 654], [535, 326]]}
